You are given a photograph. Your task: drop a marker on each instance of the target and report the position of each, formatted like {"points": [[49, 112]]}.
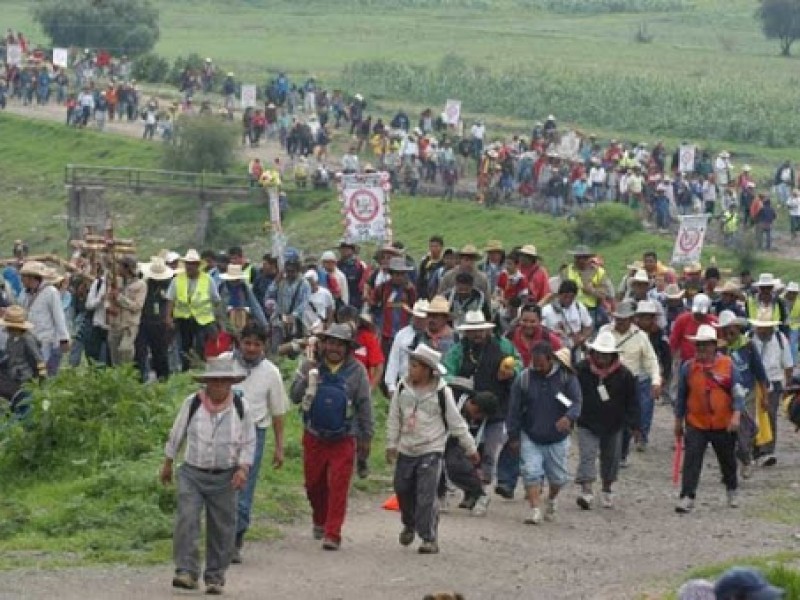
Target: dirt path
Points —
{"points": [[641, 547]]}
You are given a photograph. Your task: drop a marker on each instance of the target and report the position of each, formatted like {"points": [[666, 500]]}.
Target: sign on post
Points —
{"points": [[248, 96], [452, 112], [365, 207], [14, 55], [686, 156], [60, 57], [689, 241]]}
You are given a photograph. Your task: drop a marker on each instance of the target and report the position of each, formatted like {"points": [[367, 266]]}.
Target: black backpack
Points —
{"points": [[442, 402]]}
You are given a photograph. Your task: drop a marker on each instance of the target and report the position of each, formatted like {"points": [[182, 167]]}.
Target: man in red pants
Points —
{"points": [[334, 393]]}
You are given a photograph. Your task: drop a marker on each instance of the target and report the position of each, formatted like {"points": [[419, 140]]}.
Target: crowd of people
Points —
{"points": [[492, 366]]}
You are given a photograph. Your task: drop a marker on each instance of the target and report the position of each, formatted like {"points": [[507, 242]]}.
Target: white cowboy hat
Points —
{"points": [[14, 318], [438, 306], [792, 286], [604, 343], [34, 268], [624, 310], [192, 256], [234, 273], [673, 292], [222, 368], [328, 255], [529, 250], [428, 356], [766, 280], [705, 333], [640, 277], [312, 275], [646, 307], [171, 257], [157, 269], [475, 321], [728, 318], [398, 265], [420, 309]]}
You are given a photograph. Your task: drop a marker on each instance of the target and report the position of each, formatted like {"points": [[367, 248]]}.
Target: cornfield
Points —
{"points": [[712, 107], [606, 6]]}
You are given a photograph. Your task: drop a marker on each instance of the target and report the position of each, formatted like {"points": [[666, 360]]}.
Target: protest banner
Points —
{"points": [[248, 96], [689, 241], [60, 57], [14, 55], [365, 208], [686, 156], [452, 112]]}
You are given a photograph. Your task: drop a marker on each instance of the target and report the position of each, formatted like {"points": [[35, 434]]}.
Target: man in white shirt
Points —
{"points": [[477, 133], [406, 340], [597, 180], [320, 306], [567, 318], [776, 355], [265, 395], [96, 346], [794, 212], [340, 289]]}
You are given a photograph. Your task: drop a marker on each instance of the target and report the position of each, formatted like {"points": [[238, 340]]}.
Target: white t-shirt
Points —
{"points": [[794, 206], [478, 131], [565, 322], [264, 393], [322, 303]]}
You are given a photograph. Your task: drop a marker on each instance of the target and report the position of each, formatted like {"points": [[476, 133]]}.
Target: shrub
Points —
{"points": [[150, 67], [202, 143], [193, 61], [605, 224]]}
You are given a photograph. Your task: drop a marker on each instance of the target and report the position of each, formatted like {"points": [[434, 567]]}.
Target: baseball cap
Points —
{"points": [[745, 582], [701, 304]]}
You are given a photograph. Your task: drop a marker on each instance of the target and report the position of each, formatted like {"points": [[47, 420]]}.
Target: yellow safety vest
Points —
{"points": [[597, 281], [794, 315], [199, 306], [730, 222], [752, 309]]}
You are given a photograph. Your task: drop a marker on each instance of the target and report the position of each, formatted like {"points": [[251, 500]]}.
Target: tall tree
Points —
{"points": [[127, 26], [780, 19]]}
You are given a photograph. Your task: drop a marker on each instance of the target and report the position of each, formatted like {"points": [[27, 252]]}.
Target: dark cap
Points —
{"points": [[745, 582]]}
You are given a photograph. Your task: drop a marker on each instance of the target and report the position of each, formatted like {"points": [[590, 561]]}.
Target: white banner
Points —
{"points": [[686, 158], [278, 237], [365, 214], [60, 57], [570, 146], [452, 112], [14, 54], [689, 242], [248, 96]]}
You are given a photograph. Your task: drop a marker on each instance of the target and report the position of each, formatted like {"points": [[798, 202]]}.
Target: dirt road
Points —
{"points": [[640, 549]]}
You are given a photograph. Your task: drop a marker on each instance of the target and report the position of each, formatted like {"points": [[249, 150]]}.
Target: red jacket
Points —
{"points": [[684, 326]]}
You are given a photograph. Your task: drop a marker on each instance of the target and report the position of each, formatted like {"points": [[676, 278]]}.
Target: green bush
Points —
{"points": [[606, 6], [202, 143], [86, 418], [150, 67], [605, 224], [193, 61]]}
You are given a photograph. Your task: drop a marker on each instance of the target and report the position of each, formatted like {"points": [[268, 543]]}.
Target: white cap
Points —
{"points": [[701, 304], [172, 256], [328, 255], [312, 275]]}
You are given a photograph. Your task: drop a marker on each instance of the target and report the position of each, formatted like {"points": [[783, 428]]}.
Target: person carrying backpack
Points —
{"points": [[333, 391], [220, 442]]}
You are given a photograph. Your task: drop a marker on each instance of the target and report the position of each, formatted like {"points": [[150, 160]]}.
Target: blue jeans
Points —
{"points": [[245, 503], [507, 469], [544, 461], [794, 340], [556, 205], [645, 397]]}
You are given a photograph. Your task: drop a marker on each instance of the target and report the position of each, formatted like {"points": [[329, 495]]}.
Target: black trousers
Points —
{"points": [[460, 471], [152, 339], [695, 442], [192, 337], [95, 346]]}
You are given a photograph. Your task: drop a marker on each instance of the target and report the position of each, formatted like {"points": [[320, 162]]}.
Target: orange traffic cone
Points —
{"points": [[391, 503]]}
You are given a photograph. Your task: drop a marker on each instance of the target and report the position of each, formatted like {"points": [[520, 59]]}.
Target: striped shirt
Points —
{"points": [[213, 441]]}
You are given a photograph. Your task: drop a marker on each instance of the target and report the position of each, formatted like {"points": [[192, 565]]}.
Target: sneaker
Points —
{"points": [[534, 516], [481, 506], [550, 510], [607, 500], [585, 500], [504, 492], [623, 462], [184, 581], [318, 531], [407, 536], [214, 589], [747, 471], [733, 499], [468, 502], [428, 547], [769, 461], [685, 505], [330, 544]]}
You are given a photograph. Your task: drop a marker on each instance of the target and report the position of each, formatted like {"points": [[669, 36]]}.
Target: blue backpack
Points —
{"points": [[331, 412]]}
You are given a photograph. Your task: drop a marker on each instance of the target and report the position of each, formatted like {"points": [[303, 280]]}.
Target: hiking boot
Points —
{"points": [[504, 492], [468, 502], [585, 500], [318, 531], [534, 516], [428, 547], [769, 460], [214, 589], [406, 536], [607, 500], [363, 469], [685, 505], [550, 510], [747, 471], [481, 506], [184, 581], [733, 499], [236, 557], [330, 544]]}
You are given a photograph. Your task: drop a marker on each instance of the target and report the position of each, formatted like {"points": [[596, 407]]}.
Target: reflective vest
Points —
{"points": [[753, 306], [597, 281], [199, 306], [794, 315], [730, 222], [709, 403]]}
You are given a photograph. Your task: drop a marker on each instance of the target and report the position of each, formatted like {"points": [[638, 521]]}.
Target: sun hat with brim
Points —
{"points": [[438, 306], [327, 256], [157, 269], [604, 343], [52, 276], [15, 318], [729, 287], [646, 307], [705, 333], [581, 250], [420, 309], [673, 292], [694, 267], [766, 280], [727, 318], [564, 356], [171, 257], [635, 266], [339, 331], [33, 268], [792, 286], [222, 368], [746, 582], [391, 250], [398, 265], [191, 256], [429, 357], [312, 275], [494, 246], [234, 273], [469, 250], [624, 310], [529, 250], [640, 276], [474, 320]]}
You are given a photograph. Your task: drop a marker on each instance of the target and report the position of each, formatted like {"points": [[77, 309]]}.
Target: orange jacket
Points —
{"points": [[709, 401]]}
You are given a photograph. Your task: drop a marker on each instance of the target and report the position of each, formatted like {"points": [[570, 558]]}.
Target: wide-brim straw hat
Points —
{"points": [[764, 318], [605, 343], [727, 318], [469, 250], [766, 280], [233, 273], [157, 269], [222, 368], [192, 256], [673, 292], [529, 250], [15, 318], [729, 287], [33, 268], [398, 265], [475, 320], [438, 306], [494, 246], [420, 309], [428, 356], [339, 331], [705, 333]]}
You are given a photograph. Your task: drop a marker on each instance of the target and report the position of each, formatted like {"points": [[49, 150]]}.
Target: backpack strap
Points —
{"points": [[442, 402], [238, 405]]}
